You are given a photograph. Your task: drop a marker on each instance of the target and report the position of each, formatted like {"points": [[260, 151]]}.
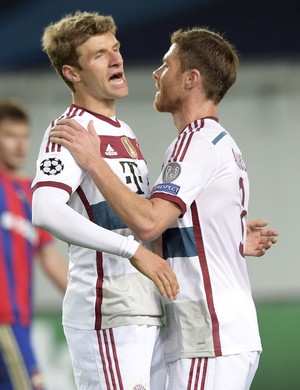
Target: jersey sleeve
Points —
{"points": [[182, 179], [70, 226], [44, 238], [56, 167]]}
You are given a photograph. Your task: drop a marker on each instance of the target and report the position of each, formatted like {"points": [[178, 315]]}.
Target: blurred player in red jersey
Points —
{"points": [[20, 243]]}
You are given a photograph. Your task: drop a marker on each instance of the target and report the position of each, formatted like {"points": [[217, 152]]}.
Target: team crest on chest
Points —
{"points": [[129, 147], [171, 172]]}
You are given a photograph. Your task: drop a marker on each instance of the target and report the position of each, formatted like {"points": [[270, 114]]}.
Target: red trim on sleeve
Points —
{"points": [[170, 198], [55, 184]]}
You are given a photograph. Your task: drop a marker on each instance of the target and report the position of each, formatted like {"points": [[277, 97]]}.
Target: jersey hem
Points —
{"points": [[114, 324], [212, 354]]}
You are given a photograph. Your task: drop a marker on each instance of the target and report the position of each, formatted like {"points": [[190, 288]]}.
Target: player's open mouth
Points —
{"points": [[116, 79]]}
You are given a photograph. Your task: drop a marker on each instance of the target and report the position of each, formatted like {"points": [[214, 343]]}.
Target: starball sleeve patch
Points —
{"points": [[51, 166]]}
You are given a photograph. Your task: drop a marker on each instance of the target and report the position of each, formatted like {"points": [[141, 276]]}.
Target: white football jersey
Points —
{"points": [[214, 314], [104, 290]]}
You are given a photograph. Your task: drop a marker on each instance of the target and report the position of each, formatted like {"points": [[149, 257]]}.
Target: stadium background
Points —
{"points": [[261, 112]]}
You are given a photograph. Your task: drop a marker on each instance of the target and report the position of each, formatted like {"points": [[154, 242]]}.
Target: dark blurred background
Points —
{"points": [[261, 29]]}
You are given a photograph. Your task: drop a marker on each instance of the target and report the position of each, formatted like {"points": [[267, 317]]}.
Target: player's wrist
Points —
{"points": [[129, 247]]}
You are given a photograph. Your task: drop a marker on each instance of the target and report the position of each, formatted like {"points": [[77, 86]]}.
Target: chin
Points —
{"points": [[159, 107]]}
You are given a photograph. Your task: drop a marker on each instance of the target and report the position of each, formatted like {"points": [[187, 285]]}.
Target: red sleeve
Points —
{"points": [[44, 238]]}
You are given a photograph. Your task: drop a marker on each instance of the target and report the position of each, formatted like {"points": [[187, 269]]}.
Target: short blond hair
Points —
{"points": [[61, 39]]}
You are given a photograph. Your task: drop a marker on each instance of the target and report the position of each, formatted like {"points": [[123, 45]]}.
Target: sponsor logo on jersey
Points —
{"points": [[168, 188], [110, 151], [171, 172], [129, 147], [51, 166]]}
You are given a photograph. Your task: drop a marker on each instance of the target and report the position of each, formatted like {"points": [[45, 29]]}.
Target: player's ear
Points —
{"points": [[71, 73], [192, 78]]}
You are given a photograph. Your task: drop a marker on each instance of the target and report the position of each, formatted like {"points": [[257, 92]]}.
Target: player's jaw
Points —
{"points": [[165, 100]]}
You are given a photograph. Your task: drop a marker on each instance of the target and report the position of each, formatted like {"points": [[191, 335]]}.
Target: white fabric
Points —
{"points": [[214, 314], [122, 358], [104, 290], [70, 226], [234, 372]]}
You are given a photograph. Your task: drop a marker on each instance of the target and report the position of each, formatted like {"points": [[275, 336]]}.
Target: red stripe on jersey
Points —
{"points": [[206, 280], [199, 362], [191, 374], [204, 372], [195, 126], [116, 358], [184, 140], [195, 374], [72, 113], [170, 198], [48, 146], [99, 264], [110, 364], [108, 357], [55, 184], [103, 360], [179, 146], [111, 121], [52, 147]]}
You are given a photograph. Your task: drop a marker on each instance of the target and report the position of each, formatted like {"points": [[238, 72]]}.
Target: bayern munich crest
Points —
{"points": [[52, 166], [171, 172], [139, 387]]}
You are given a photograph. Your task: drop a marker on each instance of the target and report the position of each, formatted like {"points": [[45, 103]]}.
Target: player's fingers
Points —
{"points": [[160, 286], [91, 128], [61, 137], [257, 223], [170, 283], [269, 232], [69, 124]]}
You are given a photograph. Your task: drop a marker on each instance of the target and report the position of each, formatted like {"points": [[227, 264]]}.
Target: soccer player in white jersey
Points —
{"points": [[200, 202], [112, 313]]}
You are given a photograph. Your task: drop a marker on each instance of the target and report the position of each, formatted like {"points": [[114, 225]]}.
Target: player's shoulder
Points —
{"points": [[214, 132]]}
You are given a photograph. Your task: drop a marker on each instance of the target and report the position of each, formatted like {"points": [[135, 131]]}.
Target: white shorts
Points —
{"points": [[122, 358], [234, 372]]}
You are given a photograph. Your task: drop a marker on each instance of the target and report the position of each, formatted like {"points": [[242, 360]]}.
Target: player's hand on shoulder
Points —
{"points": [[82, 143]]}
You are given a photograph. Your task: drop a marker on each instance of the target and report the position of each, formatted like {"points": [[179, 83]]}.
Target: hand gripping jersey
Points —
{"points": [[214, 314], [19, 241], [104, 290]]}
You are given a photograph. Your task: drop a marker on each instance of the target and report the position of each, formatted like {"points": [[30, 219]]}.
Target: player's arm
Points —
{"points": [[54, 265], [62, 221], [259, 238], [147, 218]]}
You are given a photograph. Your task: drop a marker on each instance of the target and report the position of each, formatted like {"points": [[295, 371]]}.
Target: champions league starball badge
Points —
{"points": [[171, 172], [52, 166]]}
